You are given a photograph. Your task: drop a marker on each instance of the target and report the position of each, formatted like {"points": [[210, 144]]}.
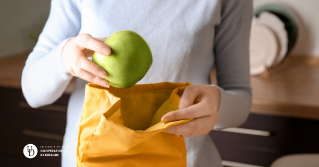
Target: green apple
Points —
{"points": [[129, 61]]}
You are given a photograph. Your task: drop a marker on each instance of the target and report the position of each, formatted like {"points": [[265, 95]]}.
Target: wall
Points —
{"points": [[17, 19], [308, 14]]}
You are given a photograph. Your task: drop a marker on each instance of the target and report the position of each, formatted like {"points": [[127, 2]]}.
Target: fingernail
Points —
{"points": [[163, 119], [105, 83], [106, 51], [102, 73]]}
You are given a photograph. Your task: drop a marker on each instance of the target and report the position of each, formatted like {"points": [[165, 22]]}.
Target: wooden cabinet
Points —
{"points": [[21, 125], [285, 104], [287, 136], [45, 126]]}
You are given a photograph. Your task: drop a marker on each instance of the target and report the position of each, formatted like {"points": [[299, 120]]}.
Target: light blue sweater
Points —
{"points": [[186, 38]]}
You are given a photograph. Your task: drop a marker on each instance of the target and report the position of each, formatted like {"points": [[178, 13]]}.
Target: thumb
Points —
{"points": [[187, 99]]}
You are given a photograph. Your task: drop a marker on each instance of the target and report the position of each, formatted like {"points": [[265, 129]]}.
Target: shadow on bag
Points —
{"points": [[122, 127]]}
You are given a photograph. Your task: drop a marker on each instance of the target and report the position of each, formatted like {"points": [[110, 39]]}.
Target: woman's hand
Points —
{"points": [[200, 102], [74, 57]]}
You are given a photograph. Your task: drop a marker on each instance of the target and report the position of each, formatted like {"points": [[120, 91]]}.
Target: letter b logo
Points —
{"points": [[30, 151]]}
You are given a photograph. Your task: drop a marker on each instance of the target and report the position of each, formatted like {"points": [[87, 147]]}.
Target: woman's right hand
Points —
{"points": [[74, 57]]}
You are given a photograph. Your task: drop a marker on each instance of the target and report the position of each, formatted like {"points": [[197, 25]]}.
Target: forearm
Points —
{"points": [[44, 77]]}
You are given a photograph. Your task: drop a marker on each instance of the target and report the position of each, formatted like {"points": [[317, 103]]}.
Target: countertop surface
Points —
{"points": [[11, 72], [291, 89]]}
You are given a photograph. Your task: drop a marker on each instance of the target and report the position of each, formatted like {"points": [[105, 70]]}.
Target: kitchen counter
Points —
{"points": [[11, 72], [291, 89]]}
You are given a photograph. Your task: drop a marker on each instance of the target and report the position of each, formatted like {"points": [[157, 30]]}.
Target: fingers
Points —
{"points": [[193, 111], [185, 106], [89, 66], [197, 127], [78, 72], [88, 52], [74, 58], [86, 41], [188, 97], [101, 39], [200, 102]]}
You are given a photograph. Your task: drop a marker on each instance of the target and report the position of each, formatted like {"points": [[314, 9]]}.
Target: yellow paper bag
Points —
{"points": [[121, 127]]}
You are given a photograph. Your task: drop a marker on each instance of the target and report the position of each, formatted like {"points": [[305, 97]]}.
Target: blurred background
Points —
{"points": [[281, 131]]}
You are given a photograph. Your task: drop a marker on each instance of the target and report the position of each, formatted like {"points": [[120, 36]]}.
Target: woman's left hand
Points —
{"points": [[200, 102]]}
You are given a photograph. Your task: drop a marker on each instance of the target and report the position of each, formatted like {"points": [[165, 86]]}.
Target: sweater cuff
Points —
{"points": [[222, 107], [233, 108]]}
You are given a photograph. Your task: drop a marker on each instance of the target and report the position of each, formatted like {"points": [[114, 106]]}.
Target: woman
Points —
{"points": [[186, 38]]}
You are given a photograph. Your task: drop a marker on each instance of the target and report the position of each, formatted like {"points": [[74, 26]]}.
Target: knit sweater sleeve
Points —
{"points": [[232, 62], [44, 76]]}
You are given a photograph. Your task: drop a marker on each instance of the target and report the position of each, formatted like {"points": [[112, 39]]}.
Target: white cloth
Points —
{"points": [[186, 38]]}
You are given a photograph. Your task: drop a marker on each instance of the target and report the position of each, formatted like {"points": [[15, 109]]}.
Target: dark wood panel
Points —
{"points": [[18, 124], [13, 147], [14, 141], [10, 104], [235, 154], [288, 136], [14, 119], [9, 161], [248, 142], [13, 95]]}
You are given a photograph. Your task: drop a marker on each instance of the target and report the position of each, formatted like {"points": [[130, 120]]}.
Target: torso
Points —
{"points": [[181, 37], [180, 33]]}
